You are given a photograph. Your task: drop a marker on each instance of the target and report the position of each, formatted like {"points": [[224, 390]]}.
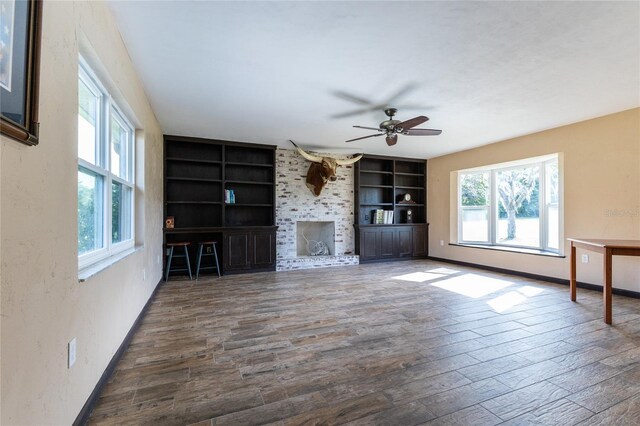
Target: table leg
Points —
{"points": [[606, 290], [572, 281]]}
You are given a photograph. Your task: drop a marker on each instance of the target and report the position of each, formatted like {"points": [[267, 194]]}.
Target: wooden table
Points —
{"points": [[608, 248]]}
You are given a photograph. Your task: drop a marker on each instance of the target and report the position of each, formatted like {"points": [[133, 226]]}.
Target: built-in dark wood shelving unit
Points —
{"points": [[379, 184], [197, 173]]}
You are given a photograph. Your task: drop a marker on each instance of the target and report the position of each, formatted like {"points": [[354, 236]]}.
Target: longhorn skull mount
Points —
{"points": [[322, 169]]}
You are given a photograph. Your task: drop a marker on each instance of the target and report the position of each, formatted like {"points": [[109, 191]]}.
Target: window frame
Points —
{"points": [[494, 208], [108, 108]]}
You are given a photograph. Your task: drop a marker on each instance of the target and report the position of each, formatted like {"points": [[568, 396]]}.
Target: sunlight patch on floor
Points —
{"points": [[530, 291], [418, 277], [472, 285], [506, 301]]}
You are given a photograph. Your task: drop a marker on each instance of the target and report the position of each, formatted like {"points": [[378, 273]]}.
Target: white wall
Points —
{"points": [[601, 195], [43, 305]]}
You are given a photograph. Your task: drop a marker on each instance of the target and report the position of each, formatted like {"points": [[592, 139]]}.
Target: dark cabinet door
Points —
{"points": [[392, 242], [369, 247], [264, 249], [405, 242], [237, 248], [420, 243], [387, 243]]}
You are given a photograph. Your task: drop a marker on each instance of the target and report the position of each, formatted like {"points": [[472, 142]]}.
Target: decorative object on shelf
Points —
{"points": [[408, 218], [316, 248], [392, 127], [169, 222], [405, 199], [20, 69], [322, 169]]}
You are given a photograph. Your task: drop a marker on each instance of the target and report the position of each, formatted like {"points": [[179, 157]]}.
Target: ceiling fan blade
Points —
{"points": [[404, 107], [355, 112], [422, 132], [351, 98], [415, 121], [403, 91], [365, 137], [370, 128], [392, 139]]}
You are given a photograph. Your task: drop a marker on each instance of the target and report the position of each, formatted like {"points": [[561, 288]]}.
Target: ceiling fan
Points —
{"points": [[392, 128]]}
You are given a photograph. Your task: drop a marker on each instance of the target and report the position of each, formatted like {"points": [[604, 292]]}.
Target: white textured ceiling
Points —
{"points": [[266, 72]]}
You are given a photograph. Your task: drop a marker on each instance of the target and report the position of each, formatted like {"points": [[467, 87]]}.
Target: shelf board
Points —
{"points": [[409, 174], [235, 163], [189, 160], [376, 204], [193, 179], [247, 205], [192, 229], [409, 205], [376, 186], [410, 187], [194, 202], [379, 172], [248, 182]]}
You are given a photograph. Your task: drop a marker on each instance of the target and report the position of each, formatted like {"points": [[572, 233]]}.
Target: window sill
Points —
{"points": [[534, 252], [94, 269]]}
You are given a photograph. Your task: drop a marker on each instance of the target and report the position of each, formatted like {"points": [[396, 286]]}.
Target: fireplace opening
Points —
{"points": [[315, 238]]}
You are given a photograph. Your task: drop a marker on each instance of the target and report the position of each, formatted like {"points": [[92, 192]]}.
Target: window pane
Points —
{"points": [[475, 224], [519, 207], [120, 151], [552, 197], [90, 219], [88, 114], [474, 189], [121, 196]]}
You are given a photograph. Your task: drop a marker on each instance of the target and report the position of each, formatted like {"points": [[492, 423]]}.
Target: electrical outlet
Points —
{"points": [[585, 258], [72, 352], [158, 260], [441, 242], [144, 274]]}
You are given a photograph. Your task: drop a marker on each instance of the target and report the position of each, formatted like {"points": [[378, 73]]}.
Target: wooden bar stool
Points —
{"points": [[211, 251], [170, 257]]}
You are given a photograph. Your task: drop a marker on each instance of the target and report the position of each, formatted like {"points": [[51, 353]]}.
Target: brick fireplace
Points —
{"points": [[295, 203]]}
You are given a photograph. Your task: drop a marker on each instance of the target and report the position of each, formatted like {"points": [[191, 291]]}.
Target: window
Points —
{"points": [[105, 173], [516, 205]]}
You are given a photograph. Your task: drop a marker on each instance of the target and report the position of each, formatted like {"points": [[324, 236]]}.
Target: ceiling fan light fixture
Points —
{"points": [[392, 127]]}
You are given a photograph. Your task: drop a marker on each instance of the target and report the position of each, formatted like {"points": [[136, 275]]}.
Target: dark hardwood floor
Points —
{"points": [[416, 342]]}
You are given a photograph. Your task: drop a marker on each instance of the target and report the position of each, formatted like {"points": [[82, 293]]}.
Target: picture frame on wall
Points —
{"points": [[20, 69]]}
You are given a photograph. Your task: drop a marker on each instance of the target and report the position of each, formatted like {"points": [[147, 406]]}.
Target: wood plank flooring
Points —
{"points": [[404, 343]]}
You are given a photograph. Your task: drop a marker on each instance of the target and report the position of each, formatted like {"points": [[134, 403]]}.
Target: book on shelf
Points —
{"points": [[382, 217], [229, 196], [378, 217], [388, 217]]}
